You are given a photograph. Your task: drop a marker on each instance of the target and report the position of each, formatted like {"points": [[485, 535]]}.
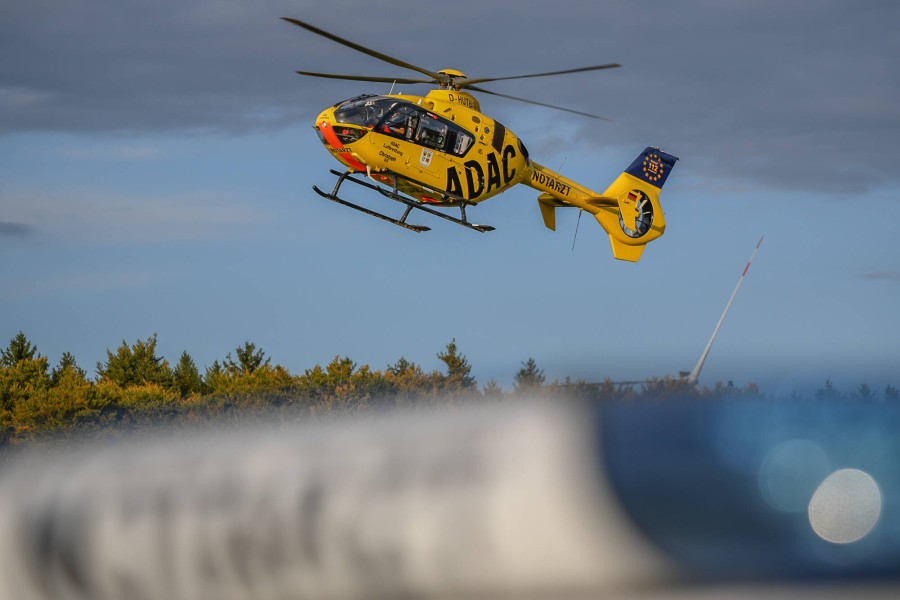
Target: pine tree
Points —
{"points": [[339, 371], [214, 369], [529, 378], [458, 369], [213, 378], [186, 376], [492, 390], [400, 367], [23, 381], [864, 392], [408, 381], [829, 392], [19, 349], [135, 365], [249, 359], [66, 364]]}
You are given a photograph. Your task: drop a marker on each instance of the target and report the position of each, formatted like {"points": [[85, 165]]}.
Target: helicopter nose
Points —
{"points": [[322, 139], [324, 126], [330, 138]]}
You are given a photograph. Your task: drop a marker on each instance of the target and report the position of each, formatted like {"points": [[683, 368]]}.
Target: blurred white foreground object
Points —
{"points": [[469, 503]]}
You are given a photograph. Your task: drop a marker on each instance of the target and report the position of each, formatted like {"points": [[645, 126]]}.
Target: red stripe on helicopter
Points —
{"points": [[334, 142]]}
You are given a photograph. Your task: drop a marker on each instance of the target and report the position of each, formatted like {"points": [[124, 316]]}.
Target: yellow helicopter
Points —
{"points": [[440, 150]]}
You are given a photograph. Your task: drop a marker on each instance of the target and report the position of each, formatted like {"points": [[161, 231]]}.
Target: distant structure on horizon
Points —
{"points": [[692, 377]]}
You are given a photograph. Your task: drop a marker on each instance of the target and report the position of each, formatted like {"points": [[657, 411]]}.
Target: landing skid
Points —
{"points": [[395, 195], [401, 222]]}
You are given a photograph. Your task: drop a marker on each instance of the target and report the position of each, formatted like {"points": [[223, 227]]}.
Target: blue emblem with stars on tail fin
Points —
{"points": [[652, 166]]}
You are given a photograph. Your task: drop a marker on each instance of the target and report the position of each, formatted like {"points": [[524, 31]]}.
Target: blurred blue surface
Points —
{"points": [[725, 487]]}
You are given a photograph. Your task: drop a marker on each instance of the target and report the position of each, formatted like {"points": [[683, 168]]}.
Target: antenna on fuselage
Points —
{"points": [[580, 210], [577, 223]]}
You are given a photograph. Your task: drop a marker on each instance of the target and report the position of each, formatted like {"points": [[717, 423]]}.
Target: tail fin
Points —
{"points": [[638, 217]]}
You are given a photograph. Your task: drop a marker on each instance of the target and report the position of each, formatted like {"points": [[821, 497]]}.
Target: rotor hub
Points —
{"points": [[449, 76]]}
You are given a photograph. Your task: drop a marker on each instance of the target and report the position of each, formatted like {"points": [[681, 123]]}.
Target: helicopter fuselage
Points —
{"points": [[442, 148]]}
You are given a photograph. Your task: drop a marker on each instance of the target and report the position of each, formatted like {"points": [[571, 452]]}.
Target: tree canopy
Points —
{"points": [[136, 386], [137, 364], [19, 348]]}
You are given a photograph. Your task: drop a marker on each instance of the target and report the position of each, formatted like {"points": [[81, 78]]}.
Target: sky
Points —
{"points": [[157, 158]]}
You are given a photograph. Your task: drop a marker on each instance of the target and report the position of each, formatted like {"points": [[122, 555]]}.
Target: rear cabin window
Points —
{"points": [[432, 132], [460, 141], [423, 128]]}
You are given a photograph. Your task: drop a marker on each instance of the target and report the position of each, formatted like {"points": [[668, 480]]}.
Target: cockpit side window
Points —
{"points": [[401, 123]]}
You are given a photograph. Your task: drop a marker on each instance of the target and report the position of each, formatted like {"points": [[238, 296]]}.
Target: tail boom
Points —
{"points": [[629, 210]]}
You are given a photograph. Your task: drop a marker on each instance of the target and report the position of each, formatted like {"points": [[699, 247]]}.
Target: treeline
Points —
{"points": [[136, 387]]}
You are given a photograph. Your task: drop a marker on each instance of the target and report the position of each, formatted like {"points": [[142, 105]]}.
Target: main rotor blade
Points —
{"points": [[568, 110], [468, 82], [384, 57], [402, 80]]}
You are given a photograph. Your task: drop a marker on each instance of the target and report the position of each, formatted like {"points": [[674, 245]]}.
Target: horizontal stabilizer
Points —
{"points": [[549, 203], [548, 206], [603, 201]]}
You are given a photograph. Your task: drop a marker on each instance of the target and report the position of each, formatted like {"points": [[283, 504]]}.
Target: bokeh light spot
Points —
{"points": [[845, 507]]}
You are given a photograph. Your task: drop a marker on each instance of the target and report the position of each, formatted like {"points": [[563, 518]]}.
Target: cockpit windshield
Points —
{"points": [[363, 110]]}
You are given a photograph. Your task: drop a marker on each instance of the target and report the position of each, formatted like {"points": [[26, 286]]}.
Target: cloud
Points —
{"points": [[18, 98], [15, 230], [92, 283], [778, 92], [111, 152], [881, 276], [102, 217]]}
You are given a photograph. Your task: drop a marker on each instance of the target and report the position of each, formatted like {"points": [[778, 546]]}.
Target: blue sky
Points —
{"points": [[155, 174]]}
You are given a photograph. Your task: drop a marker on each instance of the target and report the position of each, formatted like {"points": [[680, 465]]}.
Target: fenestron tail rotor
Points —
{"points": [[446, 78]]}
